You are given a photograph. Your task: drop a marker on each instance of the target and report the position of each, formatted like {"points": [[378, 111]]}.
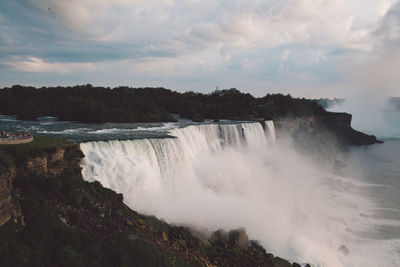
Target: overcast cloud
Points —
{"points": [[304, 47]]}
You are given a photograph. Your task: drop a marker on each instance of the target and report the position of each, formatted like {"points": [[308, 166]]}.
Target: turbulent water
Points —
{"points": [[77, 132], [229, 175]]}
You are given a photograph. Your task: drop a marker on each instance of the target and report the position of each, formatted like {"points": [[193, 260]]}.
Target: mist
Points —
{"points": [[372, 114], [229, 176], [372, 77]]}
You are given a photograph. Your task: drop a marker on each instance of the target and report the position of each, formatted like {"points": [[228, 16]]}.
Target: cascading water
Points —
{"points": [[233, 175], [271, 129]]}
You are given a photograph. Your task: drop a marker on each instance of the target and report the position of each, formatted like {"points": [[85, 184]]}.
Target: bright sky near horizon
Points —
{"points": [[307, 48]]}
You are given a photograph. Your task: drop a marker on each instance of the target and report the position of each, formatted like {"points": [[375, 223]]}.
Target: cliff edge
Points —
{"points": [[328, 129]]}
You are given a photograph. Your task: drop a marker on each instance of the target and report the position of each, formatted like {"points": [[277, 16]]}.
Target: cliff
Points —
{"points": [[52, 217], [330, 130], [40, 158], [8, 207]]}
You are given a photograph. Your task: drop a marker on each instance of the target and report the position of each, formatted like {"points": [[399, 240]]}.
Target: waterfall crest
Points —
{"points": [[144, 168]]}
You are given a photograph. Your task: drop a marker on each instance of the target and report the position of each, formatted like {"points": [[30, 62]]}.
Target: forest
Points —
{"points": [[86, 103]]}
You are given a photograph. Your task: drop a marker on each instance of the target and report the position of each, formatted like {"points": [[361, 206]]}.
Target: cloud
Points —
{"points": [[38, 65], [376, 73], [261, 42]]}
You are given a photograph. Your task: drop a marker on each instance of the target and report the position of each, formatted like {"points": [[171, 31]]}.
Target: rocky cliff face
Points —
{"points": [[40, 165], [46, 165], [331, 130], [9, 208]]}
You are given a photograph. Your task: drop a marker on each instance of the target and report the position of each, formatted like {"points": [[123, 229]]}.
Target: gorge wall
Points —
{"points": [[8, 206], [46, 161], [329, 130]]}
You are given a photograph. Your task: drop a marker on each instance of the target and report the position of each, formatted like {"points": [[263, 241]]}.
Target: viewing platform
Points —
{"points": [[15, 138]]}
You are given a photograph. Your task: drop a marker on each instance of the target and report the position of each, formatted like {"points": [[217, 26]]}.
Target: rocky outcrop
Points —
{"points": [[331, 129], [344, 250], [49, 164], [239, 238], [37, 166], [220, 236], [9, 208], [340, 125], [40, 165]]}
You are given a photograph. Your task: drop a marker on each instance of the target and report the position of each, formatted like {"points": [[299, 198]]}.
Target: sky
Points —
{"points": [[310, 48]]}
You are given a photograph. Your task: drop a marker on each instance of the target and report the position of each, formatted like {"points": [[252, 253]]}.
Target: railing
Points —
{"points": [[7, 141], [16, 139]]}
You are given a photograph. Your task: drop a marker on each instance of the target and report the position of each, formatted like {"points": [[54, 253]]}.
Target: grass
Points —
{"points": [[14, 155]]}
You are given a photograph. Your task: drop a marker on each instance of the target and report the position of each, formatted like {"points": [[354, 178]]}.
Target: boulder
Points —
{"points": [[343, 249], [279, 262], [164, 236], [239, 238], [220, 236]]}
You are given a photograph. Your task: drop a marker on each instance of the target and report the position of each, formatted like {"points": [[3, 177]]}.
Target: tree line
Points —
{"points": [[86, 103]]}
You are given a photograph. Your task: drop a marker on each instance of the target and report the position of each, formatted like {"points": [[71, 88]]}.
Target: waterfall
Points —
{"points": [[232, 175], [143, 169], [271, 130]]}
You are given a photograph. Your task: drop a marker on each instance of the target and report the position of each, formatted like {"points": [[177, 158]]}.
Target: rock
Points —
{"points": [[220, 236], [37, 165], [329, 129], [165, 236], [296, 264], [343, 249], [57, 156], [239, 238], [63, 220], [120, 197], [9, 207], [279, 262]]}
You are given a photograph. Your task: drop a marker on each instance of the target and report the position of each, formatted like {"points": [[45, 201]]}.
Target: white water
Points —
{"points": [[227, 176]]}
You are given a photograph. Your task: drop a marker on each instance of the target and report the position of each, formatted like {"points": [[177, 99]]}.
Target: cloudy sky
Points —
{"points": [[303, 47]]}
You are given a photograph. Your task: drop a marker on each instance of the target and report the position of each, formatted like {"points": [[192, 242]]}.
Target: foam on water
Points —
{"points": [[231, 175], [67, 131], [166, 126]]}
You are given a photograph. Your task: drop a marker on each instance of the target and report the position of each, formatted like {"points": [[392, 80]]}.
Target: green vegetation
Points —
{"points": [[42, 238], [46, 241], [123, 104], [278, 105], [14, 155]]}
